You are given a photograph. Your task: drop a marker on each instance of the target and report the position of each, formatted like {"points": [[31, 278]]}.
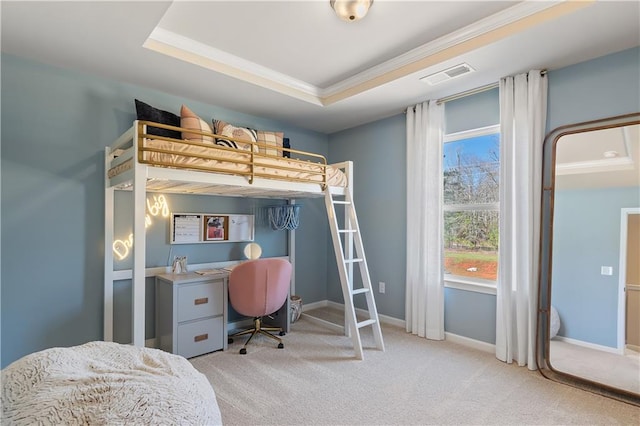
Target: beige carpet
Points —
{"points": [[316, 380], [620, 371]]}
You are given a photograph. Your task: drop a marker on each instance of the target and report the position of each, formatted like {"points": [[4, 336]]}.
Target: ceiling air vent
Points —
{"points": [[448, 74]]}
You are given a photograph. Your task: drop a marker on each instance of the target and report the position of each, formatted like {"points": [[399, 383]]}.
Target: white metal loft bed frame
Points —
{"points": [[144, 176]]}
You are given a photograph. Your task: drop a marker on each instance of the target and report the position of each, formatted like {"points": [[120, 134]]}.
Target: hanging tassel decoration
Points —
{"points": [[286, 216]]}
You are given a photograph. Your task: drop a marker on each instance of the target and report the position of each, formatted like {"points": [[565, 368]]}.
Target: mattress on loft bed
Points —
{"points": [[230, 161]]}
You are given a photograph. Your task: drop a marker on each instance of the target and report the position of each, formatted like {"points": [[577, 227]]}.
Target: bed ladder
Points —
{"points": [[345, 260]]}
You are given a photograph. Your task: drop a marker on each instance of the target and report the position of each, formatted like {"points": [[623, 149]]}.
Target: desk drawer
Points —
{"points": [[200, 337], [200, 300]]}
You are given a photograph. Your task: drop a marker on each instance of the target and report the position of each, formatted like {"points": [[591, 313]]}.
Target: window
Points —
{"points": [[471, 166]]}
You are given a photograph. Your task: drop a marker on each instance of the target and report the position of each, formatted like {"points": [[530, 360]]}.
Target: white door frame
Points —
{"points": [[622, 274]]}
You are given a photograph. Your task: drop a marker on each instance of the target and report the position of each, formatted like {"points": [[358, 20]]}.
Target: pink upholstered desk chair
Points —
{"points": [[258, 288]]}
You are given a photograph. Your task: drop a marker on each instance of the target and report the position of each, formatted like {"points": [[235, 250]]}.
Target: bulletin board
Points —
{"points": [[194, 228]]}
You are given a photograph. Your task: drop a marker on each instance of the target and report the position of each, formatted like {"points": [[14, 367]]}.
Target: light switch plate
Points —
{"points": [[606, 270]]}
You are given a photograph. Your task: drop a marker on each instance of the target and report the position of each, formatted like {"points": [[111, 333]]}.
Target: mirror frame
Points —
{"points": [[546, 251]]}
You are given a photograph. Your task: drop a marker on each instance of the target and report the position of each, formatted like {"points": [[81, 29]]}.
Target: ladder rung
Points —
{"points": [[345, 231], [340, 202], [360, 290], [366, 323], [352, 260]]}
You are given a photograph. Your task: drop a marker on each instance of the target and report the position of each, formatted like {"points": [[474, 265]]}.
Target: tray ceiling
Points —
{"points": [[295, 62]]}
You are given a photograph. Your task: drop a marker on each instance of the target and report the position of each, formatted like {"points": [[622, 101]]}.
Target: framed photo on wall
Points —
{"points": [[216, 228], [202, 228]]}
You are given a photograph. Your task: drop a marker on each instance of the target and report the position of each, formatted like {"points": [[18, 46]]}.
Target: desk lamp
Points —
{"points": [[252, 251]]}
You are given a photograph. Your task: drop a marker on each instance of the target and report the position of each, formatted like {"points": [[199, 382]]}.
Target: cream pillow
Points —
{"points": [[273, 142], [222, 128]]}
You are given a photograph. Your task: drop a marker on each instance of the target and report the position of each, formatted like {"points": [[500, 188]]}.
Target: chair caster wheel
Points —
{"points": [[229, 340], [282, 333], [280, 346], [243, 351]]}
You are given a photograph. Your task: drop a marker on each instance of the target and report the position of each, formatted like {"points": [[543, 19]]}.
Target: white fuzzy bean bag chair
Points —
{"points": [[102, 383]]}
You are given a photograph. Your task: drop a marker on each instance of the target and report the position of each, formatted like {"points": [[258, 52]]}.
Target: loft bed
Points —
{"points": [[141, 162], [183, 166]]}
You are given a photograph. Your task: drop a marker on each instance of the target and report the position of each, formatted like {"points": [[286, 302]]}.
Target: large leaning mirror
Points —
{"points": [[589, 304]]}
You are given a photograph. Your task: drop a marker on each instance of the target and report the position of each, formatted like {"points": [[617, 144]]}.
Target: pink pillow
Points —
{"points": [[189, 120]]}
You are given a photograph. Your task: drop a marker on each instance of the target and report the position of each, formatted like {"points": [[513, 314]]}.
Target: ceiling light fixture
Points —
{"points": [[351, 10]]}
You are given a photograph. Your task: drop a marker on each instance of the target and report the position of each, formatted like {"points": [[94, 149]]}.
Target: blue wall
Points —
{"points": [[470, 314], [55, 125], [594, 89], [472, 112], [160, 253], [600, 88], [53, 209], [586, 236], [379, 154]]}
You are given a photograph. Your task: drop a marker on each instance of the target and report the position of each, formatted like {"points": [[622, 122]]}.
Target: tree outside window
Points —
{"points": [[471, 166]]}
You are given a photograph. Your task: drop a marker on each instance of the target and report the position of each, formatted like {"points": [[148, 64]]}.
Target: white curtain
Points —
{"points": [[523, 108], [425, 286]]}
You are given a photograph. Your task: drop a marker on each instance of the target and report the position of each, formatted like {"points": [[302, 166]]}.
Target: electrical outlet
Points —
{"points": [[381, 286]]}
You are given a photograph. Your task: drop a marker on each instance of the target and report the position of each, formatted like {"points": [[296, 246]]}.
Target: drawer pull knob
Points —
{"points": [[201, 301], [201, 337]]}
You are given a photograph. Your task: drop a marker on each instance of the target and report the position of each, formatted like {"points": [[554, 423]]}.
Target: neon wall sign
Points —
{"points": [[156, 207]]}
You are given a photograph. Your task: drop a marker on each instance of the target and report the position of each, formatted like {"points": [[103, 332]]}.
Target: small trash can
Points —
{"points": [[296, 308]]}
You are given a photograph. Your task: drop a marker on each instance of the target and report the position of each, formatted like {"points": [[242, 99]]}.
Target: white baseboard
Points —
{"points": [[392, 321], [466, 341], [314, 305], [472, 343], [336, 327], [334, 305], [384, 319], [317, 305], [589, 345]]}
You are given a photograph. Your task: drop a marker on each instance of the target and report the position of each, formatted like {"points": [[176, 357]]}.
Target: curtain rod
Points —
{"points": [[474, 91], [467, 93]]}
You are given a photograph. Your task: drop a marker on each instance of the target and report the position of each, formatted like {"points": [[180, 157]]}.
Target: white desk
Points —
{"points": [[192, 312]]}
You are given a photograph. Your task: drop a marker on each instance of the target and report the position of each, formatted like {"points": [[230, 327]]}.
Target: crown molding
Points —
{"points": [[481, 33], [595, 166], [483, 26], [195, 52]]}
